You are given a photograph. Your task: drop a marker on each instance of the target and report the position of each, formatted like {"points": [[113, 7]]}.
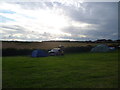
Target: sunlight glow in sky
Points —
{"points": [[41, 21]]}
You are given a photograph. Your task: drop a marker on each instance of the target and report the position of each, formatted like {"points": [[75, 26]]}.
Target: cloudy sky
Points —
{"points": [[41, 21]]}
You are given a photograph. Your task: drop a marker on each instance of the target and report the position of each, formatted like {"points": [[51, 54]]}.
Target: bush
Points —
{"points": [[15, 52], [78, 49], [22, 52]]}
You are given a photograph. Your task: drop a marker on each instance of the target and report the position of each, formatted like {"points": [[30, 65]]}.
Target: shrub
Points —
{"points": [[15, 52], [78, 49], [21, 52]]}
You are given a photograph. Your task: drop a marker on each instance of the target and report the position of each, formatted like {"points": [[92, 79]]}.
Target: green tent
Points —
{"points": [[100, 48]]}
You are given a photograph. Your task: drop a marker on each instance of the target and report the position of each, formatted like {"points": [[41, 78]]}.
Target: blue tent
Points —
{"points": [[39, 53]]}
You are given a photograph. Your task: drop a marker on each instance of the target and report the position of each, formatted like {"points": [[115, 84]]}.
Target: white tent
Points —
{"points": [[100, 48]]}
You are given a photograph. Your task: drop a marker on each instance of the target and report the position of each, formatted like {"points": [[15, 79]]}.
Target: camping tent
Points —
{"points": [[100, 48], [39, 53]]}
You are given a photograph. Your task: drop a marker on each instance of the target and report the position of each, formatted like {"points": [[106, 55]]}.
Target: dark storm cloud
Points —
{"points": [[105, 15], [92, 12]]}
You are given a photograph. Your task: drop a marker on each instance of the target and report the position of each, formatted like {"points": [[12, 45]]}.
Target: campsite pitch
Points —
{"points": [[79, 70]]}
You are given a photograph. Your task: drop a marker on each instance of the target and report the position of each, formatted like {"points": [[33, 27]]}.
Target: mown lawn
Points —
{"points": [[80, 70]]}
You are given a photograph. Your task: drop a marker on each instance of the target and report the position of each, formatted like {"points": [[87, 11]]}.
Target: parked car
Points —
{"points": [[55, 52]]}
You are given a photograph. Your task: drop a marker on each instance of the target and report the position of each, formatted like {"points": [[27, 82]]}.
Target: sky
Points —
{"points": [[57, 20]]}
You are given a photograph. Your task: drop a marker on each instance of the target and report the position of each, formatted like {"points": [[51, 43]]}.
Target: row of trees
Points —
{"points": [[89, 41]]}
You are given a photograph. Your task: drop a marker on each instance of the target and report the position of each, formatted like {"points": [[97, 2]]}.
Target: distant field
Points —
{"points": [[78, 70], [46, 45]]}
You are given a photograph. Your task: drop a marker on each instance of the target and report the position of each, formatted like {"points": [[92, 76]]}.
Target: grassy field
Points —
{"points": [[78, 70]]}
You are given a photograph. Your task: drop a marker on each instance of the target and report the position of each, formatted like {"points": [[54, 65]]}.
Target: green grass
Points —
{"points": [[80, 70]]}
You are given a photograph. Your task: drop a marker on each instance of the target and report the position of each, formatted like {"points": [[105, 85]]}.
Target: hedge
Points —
{"points": [[21, 52]]}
